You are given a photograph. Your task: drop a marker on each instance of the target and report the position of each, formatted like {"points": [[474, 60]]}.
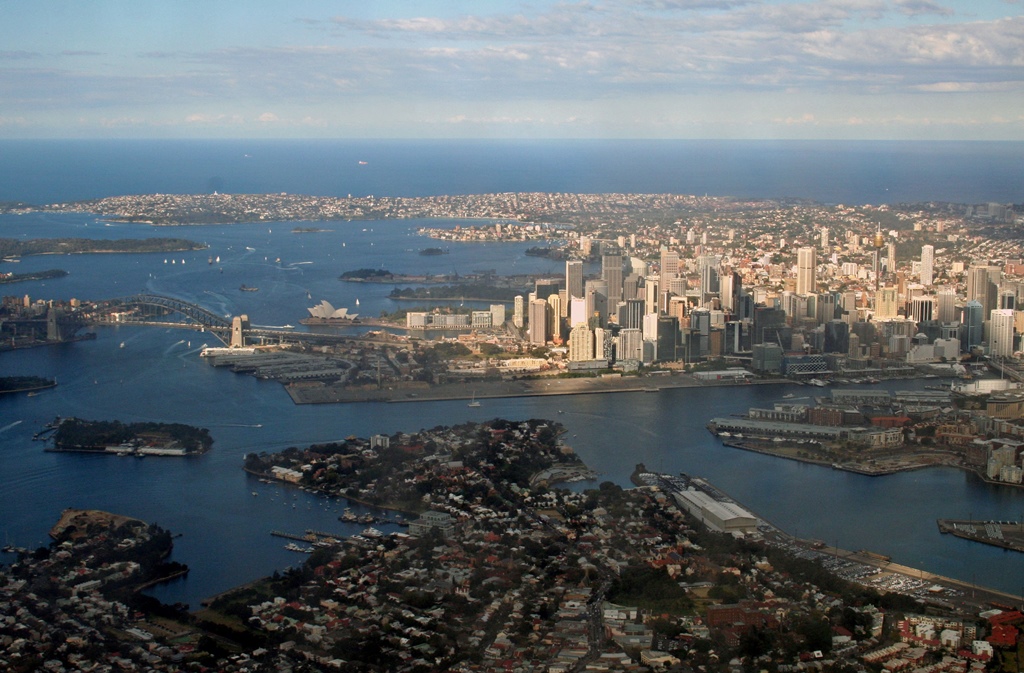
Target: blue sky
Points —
{"points": [[886, 69]]}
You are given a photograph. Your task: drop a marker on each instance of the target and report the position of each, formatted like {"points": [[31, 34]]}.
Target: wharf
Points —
{"points": [[1005, 534]]}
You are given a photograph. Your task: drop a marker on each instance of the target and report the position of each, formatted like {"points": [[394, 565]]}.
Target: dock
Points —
{"points": [[1005, 534]]}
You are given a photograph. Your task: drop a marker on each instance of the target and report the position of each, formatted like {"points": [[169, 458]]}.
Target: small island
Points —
{"points": [[131, 439], [432, 252]]}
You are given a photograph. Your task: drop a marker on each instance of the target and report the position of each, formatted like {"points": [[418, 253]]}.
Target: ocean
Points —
{"points": [[861, 172], [225, 517]]}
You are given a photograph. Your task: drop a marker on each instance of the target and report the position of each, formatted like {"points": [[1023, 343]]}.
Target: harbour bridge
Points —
{"points": [[160, 311]]}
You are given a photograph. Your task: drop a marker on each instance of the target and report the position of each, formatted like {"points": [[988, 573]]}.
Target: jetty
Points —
{"points": [[1005, 534]]}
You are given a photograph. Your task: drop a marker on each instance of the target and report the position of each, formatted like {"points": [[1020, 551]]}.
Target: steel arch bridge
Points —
{"points": [[154, 309]]}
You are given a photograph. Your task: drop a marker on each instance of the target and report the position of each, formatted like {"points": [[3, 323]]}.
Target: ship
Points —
{"points": [[246, 288]]}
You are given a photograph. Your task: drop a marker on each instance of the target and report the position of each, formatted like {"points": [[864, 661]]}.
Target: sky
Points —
{"points": [[757, 69]]}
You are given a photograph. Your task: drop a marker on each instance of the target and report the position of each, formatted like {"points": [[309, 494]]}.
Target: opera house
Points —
{"points": [[325, 313]]}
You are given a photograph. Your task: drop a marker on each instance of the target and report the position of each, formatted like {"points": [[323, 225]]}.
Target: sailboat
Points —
{"points": [[473, 402]]}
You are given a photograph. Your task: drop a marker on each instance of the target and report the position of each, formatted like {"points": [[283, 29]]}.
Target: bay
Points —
{"points": [[209, 500]]}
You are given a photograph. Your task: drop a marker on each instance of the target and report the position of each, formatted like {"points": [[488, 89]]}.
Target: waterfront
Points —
{"points": [[226, 540]]}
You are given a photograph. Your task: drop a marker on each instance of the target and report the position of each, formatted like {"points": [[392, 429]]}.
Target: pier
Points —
{"points": [[1005, 534]]}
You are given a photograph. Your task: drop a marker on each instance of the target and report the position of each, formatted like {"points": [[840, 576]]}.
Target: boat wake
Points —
{"points": [[9, 426]]}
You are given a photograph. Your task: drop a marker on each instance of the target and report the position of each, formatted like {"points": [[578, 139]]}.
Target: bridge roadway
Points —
{"points": [[199, 319]]}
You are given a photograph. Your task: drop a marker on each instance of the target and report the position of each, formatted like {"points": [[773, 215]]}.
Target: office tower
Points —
{"points": [[946, 306], [727, 285], [538, 322], [668, 338], [891, 257], [826, 308], [554, 317], [972, 325], [581, 343], [806, 261], [982, 286], [574, 278], [651, 294], [848, 305], [1008, 299], [518, 311], [611, 273], [768, 321], [602, 344], [885, 304], [1001, 329], [578, 311], [927, 264], [545, 287], [824, 239], [497, 315], [709, 277], [669, 264], [631, 345], [630, 286], [634, 314], [637, 266], [921, 309], [596, 292]]}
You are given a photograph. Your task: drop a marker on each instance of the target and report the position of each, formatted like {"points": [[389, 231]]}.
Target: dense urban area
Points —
{"points": [[500, 569]]}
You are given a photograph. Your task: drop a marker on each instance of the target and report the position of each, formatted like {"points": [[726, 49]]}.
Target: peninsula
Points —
{"points": [[138, 439], [12, 247]]}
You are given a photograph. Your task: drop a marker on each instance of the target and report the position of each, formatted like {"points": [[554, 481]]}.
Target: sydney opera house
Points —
{"points": [[325, 313]]}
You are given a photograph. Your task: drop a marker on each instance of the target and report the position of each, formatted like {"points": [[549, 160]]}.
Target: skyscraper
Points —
{"points": [[806, 261], [538, 322], [669, 264], [574, 278], [611, 272], [1001, 331], [972, 326], [581, 343], [518, 311], [947, 306], [927, 264]]}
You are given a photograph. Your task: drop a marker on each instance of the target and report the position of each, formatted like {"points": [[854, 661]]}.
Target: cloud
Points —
{"points": [[268, 118]]}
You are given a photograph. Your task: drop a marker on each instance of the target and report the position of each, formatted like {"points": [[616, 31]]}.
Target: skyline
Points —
{"points": [[747, 69]]}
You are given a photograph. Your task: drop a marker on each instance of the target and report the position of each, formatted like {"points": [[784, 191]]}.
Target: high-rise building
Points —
{"points": [[886, 307], [518, 311], [824, 239], [578, 311], [581, 343], [972, 326], [669, 264], [652, 294], [837, 337], [631, 345], [611, 273], [921, 309], [596, 292], [555, 318], [927, 264], [946, 306], [538, 322], [1001, 333], [710, 284], [574, 278], [806, 263]]}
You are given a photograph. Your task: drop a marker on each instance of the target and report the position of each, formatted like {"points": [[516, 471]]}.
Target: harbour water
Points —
{"points": [[159, 376]]}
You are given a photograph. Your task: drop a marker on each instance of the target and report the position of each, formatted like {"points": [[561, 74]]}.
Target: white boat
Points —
{"points": [[473, 402]]}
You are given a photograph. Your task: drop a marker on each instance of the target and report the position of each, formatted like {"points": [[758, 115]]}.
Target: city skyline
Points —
{"points": [[751, 69]]}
